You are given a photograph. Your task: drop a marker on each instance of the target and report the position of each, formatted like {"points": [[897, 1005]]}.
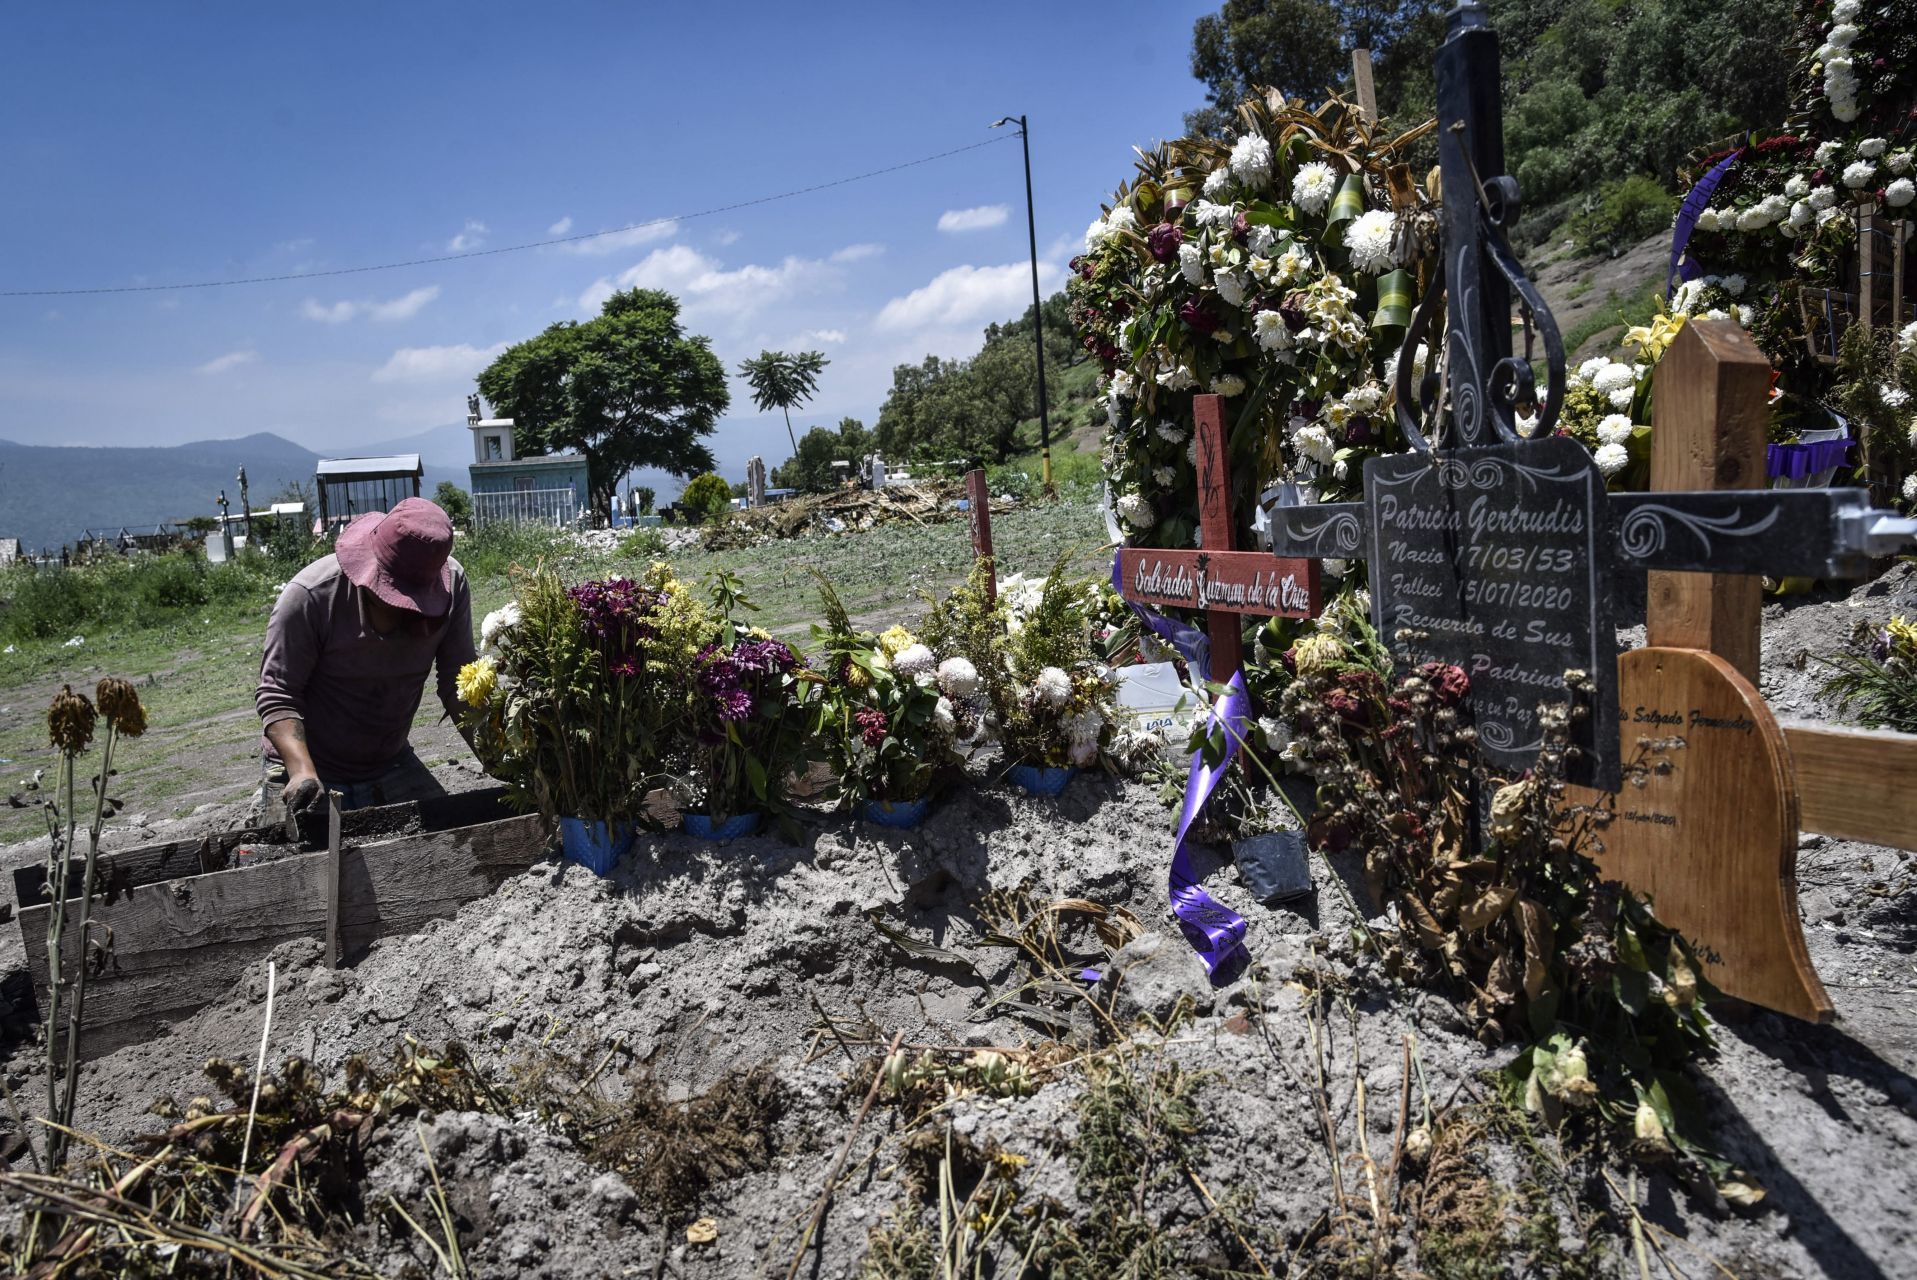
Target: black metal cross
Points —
{"points": [[1494, 549]]}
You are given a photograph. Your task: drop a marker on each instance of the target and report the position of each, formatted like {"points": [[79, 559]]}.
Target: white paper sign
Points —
{"points": [[1151, 694]]}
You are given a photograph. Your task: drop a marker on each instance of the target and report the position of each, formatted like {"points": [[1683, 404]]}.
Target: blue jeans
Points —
{"points": [[406, 778]]}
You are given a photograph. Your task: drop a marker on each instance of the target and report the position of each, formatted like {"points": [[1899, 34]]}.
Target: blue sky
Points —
{"points": [[149, 144]]}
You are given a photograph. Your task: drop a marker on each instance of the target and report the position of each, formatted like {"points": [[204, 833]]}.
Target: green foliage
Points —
{"points": [[781, 381], [1294, 46], [627, 388], [643, 544], [1622, 212], [645, 497], [455, 502], [973, 412], [498, 546], [133, 591], [200, 526], [1878, 686], [707, 498], [811, 469]]}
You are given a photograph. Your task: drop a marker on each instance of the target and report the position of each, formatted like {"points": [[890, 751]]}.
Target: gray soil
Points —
{"points": [[698, 959]]}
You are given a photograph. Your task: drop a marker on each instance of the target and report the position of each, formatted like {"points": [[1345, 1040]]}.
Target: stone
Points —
{"points": [[1149, 976]]}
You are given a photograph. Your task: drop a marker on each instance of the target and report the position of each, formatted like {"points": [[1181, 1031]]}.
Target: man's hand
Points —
{"points": [[303, 792]]}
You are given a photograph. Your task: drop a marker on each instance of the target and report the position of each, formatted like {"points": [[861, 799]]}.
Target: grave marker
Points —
{"points": [[978, 514], [1226, 584]]}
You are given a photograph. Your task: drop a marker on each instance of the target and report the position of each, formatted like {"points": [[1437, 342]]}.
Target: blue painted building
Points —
{"points": [[551, 488]]}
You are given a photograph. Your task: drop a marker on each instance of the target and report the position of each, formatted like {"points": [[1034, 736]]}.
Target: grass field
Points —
{"points": [[197, 667]]}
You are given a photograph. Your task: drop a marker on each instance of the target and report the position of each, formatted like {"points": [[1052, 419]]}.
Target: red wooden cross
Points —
{"points": [[978, 511], [1226, 584]]}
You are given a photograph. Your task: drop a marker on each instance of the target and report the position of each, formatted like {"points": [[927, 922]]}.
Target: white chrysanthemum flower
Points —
{"points": [[1251, 161], [1419, 359], [1892, 396], [1622, 397], [958, 677], [1846, 10], [1910, 487], [1822, 198], [1053, 687], [1365, 398], [1612, 376], [1313, 186], [1335, 567], [1900, 193], [1270, 330], [1191, 262], [1164, 476], [497, 623], [1231, 287], [1123, 383], [1614, 429], [1207, 213], [1801, 215], [1845, 109], [1135, 511], [1858, 174], [1589, 369], [1898, 162], [913, 659], [1216, 181], [1843, 36], [1733, 284], [1369, 236], [943, 717], [1260, 239], [1121, 219], [1908, 336], [1170, 432], [1095, 235], [1798, 187], [1191, 451], [1827, 152], [1871, 148], [1611, 458], [1707, 220], [1684, 300], [1228, 385], [1315, 443]]}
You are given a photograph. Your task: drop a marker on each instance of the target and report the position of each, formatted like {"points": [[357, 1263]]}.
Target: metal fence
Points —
{"points": [[527, 506]]}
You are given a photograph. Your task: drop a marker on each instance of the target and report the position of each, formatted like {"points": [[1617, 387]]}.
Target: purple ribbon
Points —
{"points": [[1694, 204], [1191, 643], [1800, 461], [1214, 931]]}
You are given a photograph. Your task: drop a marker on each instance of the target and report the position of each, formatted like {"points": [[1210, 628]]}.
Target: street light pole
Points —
{"points": [[1038, 317]]}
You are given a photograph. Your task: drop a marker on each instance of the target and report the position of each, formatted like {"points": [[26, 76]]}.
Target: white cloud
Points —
{"points": [[982, 218], [404, 307], [706, 289], [858, 252], [560, 227], [421, 364], [231, 360], [470, 237], [726, 237], [613, 241], [964, 295], [834, 336]]}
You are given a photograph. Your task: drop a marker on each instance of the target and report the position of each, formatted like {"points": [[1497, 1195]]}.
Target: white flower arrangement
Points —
{"points": [[1369, 236], [1251, 161], [1053, 687], [958, 678], [1871, 148], [1797, 186], [1858, 174], [1313, 186], [1611, 458], [1826, 153], [1822, 198], [1900, 193], [1614, 429]]}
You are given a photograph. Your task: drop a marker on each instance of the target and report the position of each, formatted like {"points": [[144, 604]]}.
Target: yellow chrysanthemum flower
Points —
{"points": [[476, 681], [1903, 635], [895, 638]]}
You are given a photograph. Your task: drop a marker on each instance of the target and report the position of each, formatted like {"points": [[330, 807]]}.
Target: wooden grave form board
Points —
{"points": [[185, 922]]}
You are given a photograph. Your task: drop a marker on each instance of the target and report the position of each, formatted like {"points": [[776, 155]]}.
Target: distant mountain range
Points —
{"points": [[51, 494]]}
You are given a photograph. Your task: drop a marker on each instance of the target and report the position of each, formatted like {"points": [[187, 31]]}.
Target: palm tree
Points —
{"points": [[783, 380]]}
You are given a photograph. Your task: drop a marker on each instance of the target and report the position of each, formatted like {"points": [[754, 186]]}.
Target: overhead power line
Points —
{"points": [[509, 248]]}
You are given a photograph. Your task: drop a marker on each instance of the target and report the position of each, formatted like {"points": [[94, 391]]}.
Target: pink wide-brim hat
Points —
{"points": [[402, 556]]}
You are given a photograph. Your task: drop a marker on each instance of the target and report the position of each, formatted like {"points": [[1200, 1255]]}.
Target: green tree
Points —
{"points": [[781, 381], [707, 497], [455, 502], [645, 497], [627, 388], [810, 469], [1294, 46]]}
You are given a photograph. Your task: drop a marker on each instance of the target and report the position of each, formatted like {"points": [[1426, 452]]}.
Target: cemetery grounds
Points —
{"points": [[660, 1073]]}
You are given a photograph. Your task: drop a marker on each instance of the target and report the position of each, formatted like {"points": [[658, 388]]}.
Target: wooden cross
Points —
{"points": [[978, 514], [1226, 584]]}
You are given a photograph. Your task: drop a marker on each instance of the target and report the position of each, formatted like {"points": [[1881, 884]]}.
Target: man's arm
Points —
{"points": [[292, 648], [456, 649]]}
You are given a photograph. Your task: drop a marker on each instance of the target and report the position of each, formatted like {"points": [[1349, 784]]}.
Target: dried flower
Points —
{"points": [[70, 719], [1507, 810], [1317, 652], [120, 704]]}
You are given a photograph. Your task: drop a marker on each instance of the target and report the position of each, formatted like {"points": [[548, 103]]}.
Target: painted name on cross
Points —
{"points": [[1235, 581]]}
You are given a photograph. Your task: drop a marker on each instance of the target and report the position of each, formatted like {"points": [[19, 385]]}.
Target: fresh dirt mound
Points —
{"points": [[1234, 1137]]}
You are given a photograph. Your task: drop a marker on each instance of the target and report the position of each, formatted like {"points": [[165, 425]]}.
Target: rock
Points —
{"points": [[1149, 976]]}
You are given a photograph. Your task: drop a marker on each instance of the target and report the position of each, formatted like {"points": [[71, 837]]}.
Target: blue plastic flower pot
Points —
{"points": [[898, 813], [701, 826], [592, 845], [1041, 780]]}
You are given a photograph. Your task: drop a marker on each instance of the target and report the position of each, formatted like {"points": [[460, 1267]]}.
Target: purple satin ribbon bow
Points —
{"points": [[1694, 204], [1216, 932]]}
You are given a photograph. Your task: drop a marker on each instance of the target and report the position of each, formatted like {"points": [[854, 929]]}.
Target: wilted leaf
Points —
{"points": [[1740, 1189], [1538, 935], [1487, 907], [912, 946], [1422, 922]]}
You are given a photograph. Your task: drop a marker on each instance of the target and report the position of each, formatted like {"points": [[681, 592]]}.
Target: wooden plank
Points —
{"points": [[1709, 427], [180, 945], [1713, 842], [978, 511], [1227, 630], [1855, 784], [332, 880], [1361, 82], [1254, 582], [125, 869]]}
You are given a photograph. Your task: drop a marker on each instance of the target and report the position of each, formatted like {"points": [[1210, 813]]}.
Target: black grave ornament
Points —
{"points": [[1492, 548]]}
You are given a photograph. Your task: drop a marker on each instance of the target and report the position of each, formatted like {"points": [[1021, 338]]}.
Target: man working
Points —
{"points": [[351, 642]]}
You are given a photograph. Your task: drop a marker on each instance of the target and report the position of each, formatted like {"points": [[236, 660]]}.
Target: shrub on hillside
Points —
{"points": [[1623, 212], [706, 498]]}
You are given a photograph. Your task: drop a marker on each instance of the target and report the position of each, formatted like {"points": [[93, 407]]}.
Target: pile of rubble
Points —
{"points": [[843, 511]]}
